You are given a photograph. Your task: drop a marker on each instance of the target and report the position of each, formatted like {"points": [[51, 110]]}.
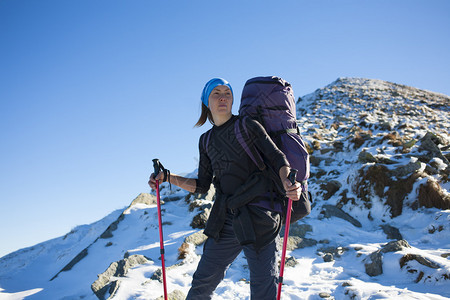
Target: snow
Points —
{"points": [[26, 273], [312, 276]]}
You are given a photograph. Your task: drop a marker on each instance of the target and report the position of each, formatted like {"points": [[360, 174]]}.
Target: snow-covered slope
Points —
{"points": [[378, 151]]}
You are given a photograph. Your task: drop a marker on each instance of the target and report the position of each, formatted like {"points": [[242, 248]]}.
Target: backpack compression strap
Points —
{"points": [[242, 136]]}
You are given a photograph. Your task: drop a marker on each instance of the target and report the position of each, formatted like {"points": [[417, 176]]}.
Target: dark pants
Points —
{"points": [[217, 257]]}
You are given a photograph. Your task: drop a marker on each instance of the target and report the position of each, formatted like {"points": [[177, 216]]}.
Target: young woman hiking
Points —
{"points": [[246, 215]]}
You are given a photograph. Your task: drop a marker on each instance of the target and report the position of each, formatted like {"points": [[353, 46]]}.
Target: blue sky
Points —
{"points": [[92, 91]]}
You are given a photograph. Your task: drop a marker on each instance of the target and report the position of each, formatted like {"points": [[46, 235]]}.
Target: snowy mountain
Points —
{"points": [[379, 226]]}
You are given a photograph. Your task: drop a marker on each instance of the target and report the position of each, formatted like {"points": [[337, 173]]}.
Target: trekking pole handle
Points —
{"points": [[292, 176], [156, 166]]}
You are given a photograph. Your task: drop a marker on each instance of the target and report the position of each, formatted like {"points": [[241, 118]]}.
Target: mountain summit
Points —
{"points": [[379, 226]]}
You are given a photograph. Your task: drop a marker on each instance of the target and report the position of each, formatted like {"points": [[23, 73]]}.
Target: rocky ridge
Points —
{"points": [[394, 135]]}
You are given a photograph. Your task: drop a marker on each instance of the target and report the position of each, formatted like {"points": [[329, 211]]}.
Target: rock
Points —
{"points": [[314, 160], [332, 211], [420, 259], [431, 170], [171, 198], [409, 144], [429, 143], [365, 157], [317, 160], [157, 275], [374, 264], [175, 295], [385, 125], [338, 146], [386, 161], [299, 230], [328, 257], [144, 198], [295, 242], [432, 195], [199, 221], [324, 295], [335, 251], [405, 170], [291, 262], [397, 192], [318, 174], [391, 232], [107, 282], [331, 187], [360, 138], [346, 284], [316, 145], [196, 239], [108, 233], [395, 246]]}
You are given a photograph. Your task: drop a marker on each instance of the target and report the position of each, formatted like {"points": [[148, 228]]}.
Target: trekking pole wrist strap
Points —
{"points": [[158, 166]]}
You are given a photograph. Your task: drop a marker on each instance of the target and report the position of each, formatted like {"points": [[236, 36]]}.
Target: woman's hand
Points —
{"points": [[293, 191], [152, 180]]}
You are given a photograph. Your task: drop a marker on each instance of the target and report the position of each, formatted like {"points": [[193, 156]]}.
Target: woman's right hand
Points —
{"points": [[152, 180]]}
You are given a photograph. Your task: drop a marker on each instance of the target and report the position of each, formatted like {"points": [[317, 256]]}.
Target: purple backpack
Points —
{"points": [[270, 101]]}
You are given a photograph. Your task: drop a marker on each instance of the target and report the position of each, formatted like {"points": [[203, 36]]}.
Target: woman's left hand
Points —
{"points": [[293, 191]]}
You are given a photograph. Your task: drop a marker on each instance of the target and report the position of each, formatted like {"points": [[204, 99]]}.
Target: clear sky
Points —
{"points": [[92, 91]]}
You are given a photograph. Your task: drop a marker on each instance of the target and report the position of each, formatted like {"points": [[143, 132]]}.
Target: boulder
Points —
{"points": [[144, 198], [331, 187], [195, 239], [295, 242], [365, 157], [175, 295], [406, 170], [429, 144], [157, 275], [291, 262], [299, 230], [374, 264], [107, 281], [395, 246], [328, 257], [432, 195], [334, 251], [391, 232], [199, 221], [420, 259], [332, 211]]}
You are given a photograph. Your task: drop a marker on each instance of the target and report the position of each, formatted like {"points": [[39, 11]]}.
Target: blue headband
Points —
{"points": [[210, 85]]}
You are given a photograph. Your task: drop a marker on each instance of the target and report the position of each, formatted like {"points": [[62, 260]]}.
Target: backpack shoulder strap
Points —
{"points": [[205, 140], [241, 132]]}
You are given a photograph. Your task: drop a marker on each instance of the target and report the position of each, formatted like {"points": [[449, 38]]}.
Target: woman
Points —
{"points": [[240, 218]]}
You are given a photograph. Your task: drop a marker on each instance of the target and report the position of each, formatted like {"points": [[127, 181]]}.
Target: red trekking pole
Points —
{"points": [[292, 176], [157, 166]]}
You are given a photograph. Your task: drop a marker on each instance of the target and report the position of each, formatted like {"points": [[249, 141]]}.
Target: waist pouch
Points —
{"points": [[243, 223], [255, 185]]}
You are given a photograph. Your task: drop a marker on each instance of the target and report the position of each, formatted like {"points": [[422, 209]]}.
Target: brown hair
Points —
{"points": [[206, 114]]}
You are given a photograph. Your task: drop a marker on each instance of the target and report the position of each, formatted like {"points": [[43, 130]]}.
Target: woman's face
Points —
{"points": [[220, 100]]}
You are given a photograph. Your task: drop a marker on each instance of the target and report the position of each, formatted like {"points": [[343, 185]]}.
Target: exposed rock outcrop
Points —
{"points": [[107, 284]]}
